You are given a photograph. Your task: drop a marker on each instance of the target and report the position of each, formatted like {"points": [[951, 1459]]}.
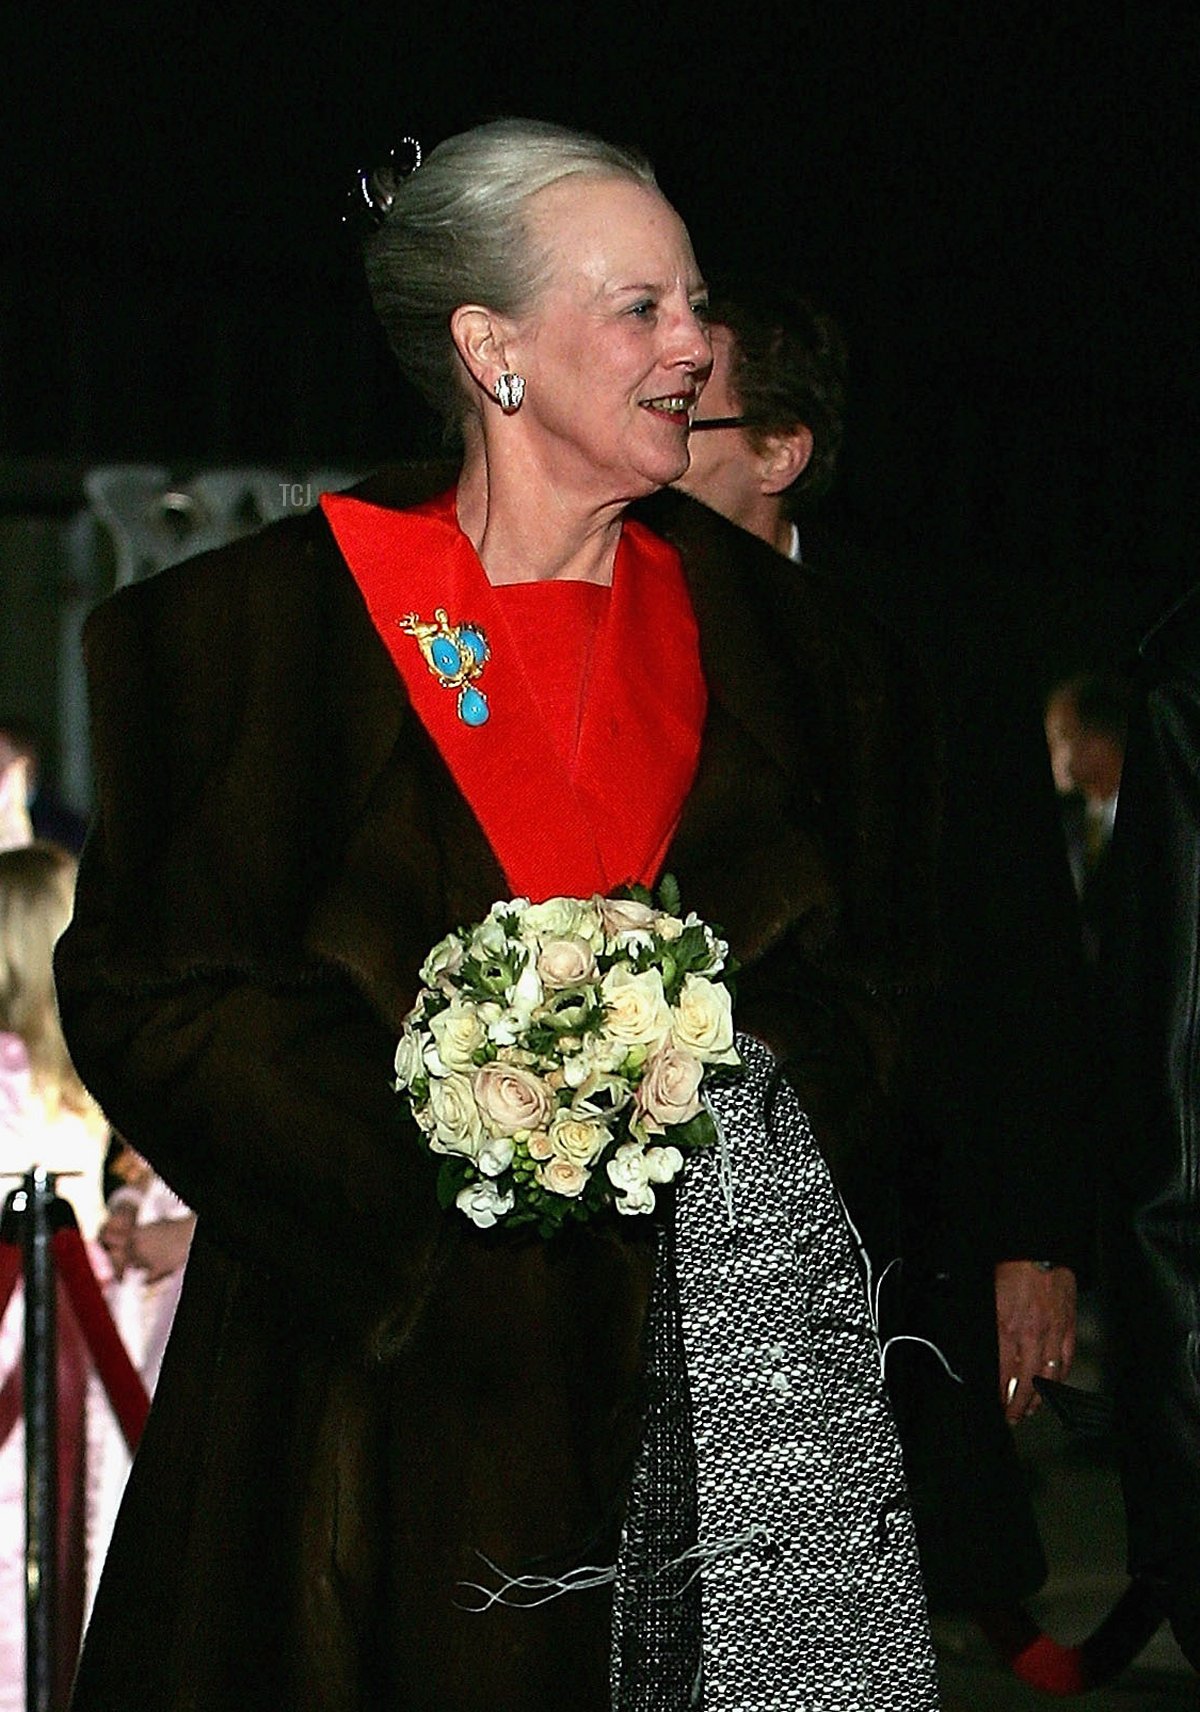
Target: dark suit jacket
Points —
{"points": [[54, 821], [361, 1393], [1002, 1083], [999, 1143], [1150, 971]]}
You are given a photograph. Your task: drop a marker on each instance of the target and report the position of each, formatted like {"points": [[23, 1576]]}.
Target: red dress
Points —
{"points": [[576, 741]]}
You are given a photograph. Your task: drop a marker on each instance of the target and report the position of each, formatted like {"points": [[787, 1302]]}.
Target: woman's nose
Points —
{"points": [[691, 345]]}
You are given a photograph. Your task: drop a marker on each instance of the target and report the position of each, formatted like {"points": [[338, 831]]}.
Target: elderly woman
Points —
{"points": [[373, 1416]]}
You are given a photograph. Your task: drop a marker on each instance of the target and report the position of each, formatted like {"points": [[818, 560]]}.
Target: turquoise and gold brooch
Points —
{"points": [[455, 654]]}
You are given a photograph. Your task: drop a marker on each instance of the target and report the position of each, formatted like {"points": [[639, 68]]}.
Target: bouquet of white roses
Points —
{"points": [[557, 1054]]}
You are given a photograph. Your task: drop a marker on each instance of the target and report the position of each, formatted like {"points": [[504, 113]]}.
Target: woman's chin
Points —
{"points": [[663, 469]]}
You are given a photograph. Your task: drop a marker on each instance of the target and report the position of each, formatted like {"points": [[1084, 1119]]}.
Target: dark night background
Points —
{"points": [[999, 206]]}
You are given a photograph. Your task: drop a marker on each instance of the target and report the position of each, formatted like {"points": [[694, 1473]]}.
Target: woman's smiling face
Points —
{"points": [[615, 350]]}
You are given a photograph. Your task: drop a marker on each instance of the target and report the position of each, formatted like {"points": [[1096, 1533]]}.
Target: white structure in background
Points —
{"points": [[151, 520]]}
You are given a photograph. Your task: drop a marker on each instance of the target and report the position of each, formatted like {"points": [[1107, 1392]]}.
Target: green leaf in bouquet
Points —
{"points": [[668, 895], [454, 1175], [699, 1131], [641, 957], [692, 949]]}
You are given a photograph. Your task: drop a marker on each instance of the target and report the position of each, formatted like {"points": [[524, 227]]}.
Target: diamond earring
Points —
{"points": [[509, 391]]}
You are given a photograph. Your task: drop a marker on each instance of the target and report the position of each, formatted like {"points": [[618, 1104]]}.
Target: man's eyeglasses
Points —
{"points": [[701, 422]]}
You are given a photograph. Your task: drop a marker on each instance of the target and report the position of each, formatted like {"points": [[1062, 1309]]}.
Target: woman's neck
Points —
{"points": [[525, 529]]}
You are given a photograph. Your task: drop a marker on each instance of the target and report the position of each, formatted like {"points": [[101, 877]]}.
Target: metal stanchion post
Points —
{"points": [[41, 1447]]}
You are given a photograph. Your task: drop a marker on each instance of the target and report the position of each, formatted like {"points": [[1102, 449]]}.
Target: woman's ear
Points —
{"points": [[783, 458], [478, 335]]}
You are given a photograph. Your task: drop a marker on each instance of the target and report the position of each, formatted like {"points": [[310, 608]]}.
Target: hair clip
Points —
{"points": [[370, 199]]}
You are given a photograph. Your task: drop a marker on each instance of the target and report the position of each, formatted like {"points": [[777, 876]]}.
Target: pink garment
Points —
{"points": [[143, 1313], [33, 1134]]}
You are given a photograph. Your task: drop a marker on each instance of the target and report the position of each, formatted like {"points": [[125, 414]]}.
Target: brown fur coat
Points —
{"points": [[362, 1394]]}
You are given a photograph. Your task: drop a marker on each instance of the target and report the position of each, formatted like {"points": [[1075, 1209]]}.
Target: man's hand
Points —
{"points": [[115, 1234], [1035, 1322], [161, 1247]]}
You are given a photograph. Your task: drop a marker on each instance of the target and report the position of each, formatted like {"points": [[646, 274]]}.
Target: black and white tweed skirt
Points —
{"points": [[769, 1560]]}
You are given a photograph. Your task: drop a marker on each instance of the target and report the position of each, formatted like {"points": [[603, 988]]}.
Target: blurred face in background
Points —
{"points": [[1082, 757], [723, 466]]}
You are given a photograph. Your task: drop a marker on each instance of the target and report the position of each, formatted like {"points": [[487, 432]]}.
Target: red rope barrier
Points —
{"points": [[10, 1271], [12, 1399], [118, 1375]]}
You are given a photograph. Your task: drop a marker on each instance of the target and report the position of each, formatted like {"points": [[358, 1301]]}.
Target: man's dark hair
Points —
{"points": [[1102, 700], [23, 736], [788, 370]]}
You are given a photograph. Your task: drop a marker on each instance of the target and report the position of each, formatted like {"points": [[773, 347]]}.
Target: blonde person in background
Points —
{"points": [[46, 1119]]}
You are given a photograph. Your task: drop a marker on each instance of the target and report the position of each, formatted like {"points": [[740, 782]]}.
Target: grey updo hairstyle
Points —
{"points": [[455, 232]]}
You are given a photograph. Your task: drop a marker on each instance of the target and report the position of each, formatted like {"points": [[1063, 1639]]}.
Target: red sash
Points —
{"points": [[554, 829]]}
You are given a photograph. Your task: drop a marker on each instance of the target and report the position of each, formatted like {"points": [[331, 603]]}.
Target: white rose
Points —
{"points": [[566, 962], [563, 1177], [490, 940], [539, 1145], [663, 1164], [446, 958], [483, 1203], [636, 1007], [511, 1098], [627, 1168], [495, 1155], [561, 918], [669, 1092], [669, 927], [637, 1201], [578, 1139], [702, 1021], [410, 1060], [457, 1035], [625, 915], [456, 1122], [630, 1176]]}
